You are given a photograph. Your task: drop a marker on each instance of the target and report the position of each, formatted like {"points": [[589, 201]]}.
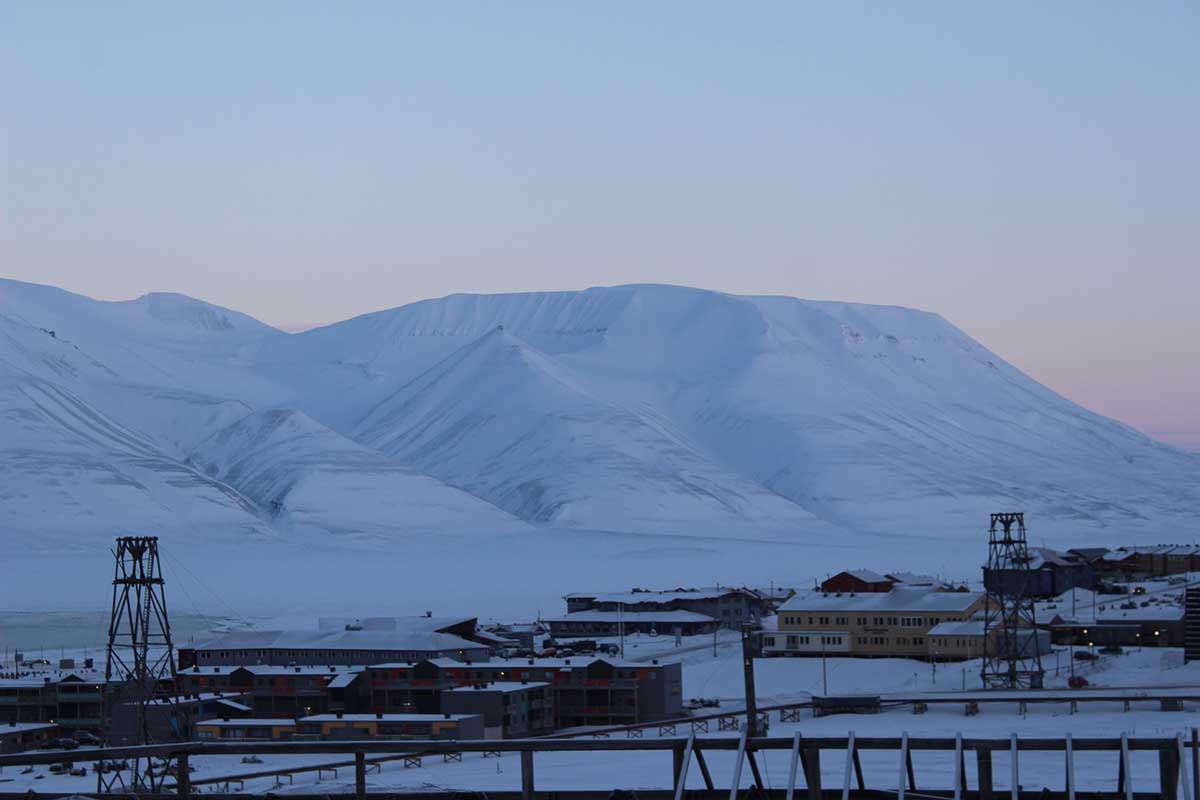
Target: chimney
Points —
{"points": [[378, 715], [297, 669], [339, 715], [654, 661], [447, 716]]}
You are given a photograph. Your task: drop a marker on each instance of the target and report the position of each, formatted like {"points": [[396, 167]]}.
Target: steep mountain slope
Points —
{"points": [[508, 423], [634, 408], [310, 479]]}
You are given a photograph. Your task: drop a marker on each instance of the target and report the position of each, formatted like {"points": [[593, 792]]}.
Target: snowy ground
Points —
{"points": [[779, 681]]}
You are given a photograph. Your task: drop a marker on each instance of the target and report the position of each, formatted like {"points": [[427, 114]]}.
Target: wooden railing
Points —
{"points": [[1177, 762]]}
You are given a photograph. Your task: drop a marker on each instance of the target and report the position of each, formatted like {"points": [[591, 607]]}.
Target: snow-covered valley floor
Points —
{"points": [[780, 681]]}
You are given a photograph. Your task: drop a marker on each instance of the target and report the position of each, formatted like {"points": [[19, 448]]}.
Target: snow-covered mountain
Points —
{"points": [[646, 409]]}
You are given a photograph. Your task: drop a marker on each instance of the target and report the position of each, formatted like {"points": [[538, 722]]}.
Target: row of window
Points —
{"points": [[878, 622], [794, 641]]}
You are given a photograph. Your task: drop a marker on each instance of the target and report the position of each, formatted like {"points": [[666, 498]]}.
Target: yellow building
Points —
{"points": [[245, 729], [874, 624]]}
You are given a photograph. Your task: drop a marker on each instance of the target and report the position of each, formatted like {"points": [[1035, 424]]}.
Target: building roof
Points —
{"points": [[274, 669], [387, 717], [865, 575], [901, 598], [568, 663], [424, 640], [501, 686], [591, 615], [916, 579], [343, 680], [24, 727], [667, 596], [376, 624], [966, 627], [246, 722]]}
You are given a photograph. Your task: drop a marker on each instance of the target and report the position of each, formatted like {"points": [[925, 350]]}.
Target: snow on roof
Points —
{"points": [[387, 717], [274, 669], [419, 639], [234, 705], [867, 575], [568, 663], [432, 623], [25, 727], [967, 627], [915, 579], [343, 680], [677, 615], [500, 686], [246, 722], [900, 598], [630, 598]]}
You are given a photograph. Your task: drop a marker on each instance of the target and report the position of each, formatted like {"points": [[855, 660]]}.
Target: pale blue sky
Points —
{"points": [[1028, 170]]}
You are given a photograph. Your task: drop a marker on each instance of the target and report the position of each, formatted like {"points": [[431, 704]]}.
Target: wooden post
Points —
{"points": [[849, 767], [812, 772], [680, 758], [526, 775], [700, 762], [959, 778], [1181, 750], [903, 780], [1195, 764], [758, 778], [983, 766], [1168, 774], [752, 726], [1126, 780], [1016, 772], [1070, 759], [792, 765], [737, 766], [183, 777], [360, 776]]}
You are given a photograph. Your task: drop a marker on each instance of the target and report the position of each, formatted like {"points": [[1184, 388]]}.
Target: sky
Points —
{"points": [[1027, 170]]}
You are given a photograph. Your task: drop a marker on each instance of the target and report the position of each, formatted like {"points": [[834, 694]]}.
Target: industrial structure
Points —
{"points": [[140, 669], [1011, 658]]}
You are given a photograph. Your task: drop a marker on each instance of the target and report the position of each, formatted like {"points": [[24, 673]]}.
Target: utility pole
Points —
{"points": [[621, 626], [824, 673], [748, 674]]}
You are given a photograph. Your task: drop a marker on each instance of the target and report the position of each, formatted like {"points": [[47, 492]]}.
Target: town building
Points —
{"points": [[858, 581], [247, 729], [510, 709], [343, 727], [370, 641], [281, 691], [585, 690], [1049, 574], [872, 624], [1155, 561], [74, 701], [730, 607], [614, 623], [171, 719]]}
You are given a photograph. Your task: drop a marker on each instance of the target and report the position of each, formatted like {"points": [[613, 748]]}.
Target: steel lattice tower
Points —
{"points": [[140, 669], [1010, 660]]}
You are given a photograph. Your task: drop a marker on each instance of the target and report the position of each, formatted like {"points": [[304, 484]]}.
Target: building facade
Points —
{"points": [[875, 624], [729, 607]]}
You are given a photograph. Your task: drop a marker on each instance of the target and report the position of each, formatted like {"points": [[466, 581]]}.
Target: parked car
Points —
{"points": [[63, 743], [89, 739], [1084, 655], [1077, 681]]}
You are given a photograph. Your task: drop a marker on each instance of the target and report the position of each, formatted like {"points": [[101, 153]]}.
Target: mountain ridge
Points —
{"points": [[641, 408]]}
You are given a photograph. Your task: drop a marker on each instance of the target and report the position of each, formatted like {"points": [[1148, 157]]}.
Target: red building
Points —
{"points": [[857, 580]]}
